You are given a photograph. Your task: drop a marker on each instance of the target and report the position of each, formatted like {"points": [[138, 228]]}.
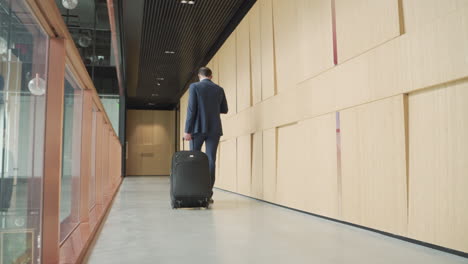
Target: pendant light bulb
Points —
{"points": [[70, 4], [37, 86]]}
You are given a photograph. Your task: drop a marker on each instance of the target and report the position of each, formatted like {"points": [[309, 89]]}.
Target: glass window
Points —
{"points": [[71, 157], [23, 78], [111, 104], [92, 179]]}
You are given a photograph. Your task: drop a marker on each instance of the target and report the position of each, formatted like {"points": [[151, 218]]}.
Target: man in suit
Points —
{"points": [[203, 125]]}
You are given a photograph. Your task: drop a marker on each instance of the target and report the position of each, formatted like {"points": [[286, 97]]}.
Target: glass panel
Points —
{"points": [[71, 157], [111, 104], [23, 68], [92, 179]]}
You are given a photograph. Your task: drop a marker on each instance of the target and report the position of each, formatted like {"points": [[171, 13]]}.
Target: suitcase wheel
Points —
{"points": [[175, 204]]}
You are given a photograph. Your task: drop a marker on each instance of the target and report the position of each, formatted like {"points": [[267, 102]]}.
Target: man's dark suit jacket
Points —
{"points": [[206, 102]]}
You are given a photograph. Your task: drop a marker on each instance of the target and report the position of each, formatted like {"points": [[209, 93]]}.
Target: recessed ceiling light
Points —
{"points": [[169, 52], [150, 103], [183, 1], [155, 95], [158, 84], [160, 79], [191, 2]]}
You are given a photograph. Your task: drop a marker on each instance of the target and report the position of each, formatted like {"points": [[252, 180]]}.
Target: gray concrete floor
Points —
{"points": [[142, 228]]}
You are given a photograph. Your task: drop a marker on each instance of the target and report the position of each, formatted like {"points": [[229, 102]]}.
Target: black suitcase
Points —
{"points": [[190, 180]]}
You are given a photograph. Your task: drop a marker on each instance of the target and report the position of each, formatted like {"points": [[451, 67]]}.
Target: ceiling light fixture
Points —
{"points": [[160, 79], [191, 2], [169, 52], [183, 1], [158, 83], [70, 4], [155, 95], [150, 103]]}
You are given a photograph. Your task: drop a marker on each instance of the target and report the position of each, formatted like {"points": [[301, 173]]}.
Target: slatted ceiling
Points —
{"points": [[193, 32]]}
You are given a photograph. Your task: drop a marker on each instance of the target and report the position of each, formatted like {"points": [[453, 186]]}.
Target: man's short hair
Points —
{"points": [[205, 71]]}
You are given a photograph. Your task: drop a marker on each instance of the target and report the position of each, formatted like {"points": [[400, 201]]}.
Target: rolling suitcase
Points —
{"points": [[190, 180]]}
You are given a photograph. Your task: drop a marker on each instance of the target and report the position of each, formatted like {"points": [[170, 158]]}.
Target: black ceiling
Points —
{"points": [[156, 79]]}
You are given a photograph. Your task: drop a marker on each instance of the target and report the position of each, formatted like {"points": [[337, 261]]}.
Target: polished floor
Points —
{"points": [[142, 228]]}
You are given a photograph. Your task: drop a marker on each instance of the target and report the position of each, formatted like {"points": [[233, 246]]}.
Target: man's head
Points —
{"points": [[205, 73]]}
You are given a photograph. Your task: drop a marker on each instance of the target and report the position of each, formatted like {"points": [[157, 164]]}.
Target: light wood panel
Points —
{"points": [[151, 142], [267, 49], [256, 53], [227, 177], [418, 13], [286, 43], [315, 37], [438, 51], [227, 73], [269, 164], [244, 164], [257, 165], [438, 154], [290, 174], [244, 96], [214, 68], [374, 188], [362, 25], [183, 117], [319, 166]]}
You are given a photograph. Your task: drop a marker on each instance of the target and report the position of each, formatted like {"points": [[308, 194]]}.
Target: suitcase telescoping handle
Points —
{"points": [[183, 143]]}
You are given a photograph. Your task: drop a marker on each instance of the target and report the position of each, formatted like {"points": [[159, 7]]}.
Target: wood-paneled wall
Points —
{"points": [[151, 142], [376, 140]]}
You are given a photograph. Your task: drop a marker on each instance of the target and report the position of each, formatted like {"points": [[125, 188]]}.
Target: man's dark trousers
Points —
{"points": [[211, 144]]}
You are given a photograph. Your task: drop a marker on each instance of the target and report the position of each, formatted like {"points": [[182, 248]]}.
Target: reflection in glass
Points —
{"points": [[111, 104], [92, 179], [71, 157], [23, 56]]}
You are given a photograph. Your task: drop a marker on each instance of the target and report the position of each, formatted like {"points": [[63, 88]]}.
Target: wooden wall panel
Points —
{"points": [[183, 117], [214, 66], [257, 165], [227, 177], [438, 51], [227, 72], [438, 154], [290, 167], [244, 164], [131, 131], [244, 96], [373, 151], [150, 151], [362, 25], [256, 53], [315, 37], [318, 138], [419, 13], [145, 127], [286, 43], [269, 164], [267, 49]]}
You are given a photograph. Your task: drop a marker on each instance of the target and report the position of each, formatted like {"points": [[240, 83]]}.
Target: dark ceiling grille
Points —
{"points": [[192, 32]]}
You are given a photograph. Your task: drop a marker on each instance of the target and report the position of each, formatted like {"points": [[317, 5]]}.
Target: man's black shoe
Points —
{"points": [[211, 201]]}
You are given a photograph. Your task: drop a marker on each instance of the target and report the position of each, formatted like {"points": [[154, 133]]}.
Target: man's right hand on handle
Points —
{"points": [[188, 136]]}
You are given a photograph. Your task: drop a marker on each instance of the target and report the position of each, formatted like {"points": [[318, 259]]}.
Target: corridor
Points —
{"points": [[142, 228]]}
